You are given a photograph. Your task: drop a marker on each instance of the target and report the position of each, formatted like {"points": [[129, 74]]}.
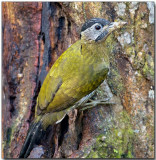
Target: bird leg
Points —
{"points": [[82, 101], [94, 103], [86, 102]]}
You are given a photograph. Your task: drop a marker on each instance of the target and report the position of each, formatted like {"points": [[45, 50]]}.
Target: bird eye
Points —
{"points": [[97, 27]]}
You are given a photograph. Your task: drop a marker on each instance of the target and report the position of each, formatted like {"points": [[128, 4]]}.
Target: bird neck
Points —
{"points": [[96, 49]]}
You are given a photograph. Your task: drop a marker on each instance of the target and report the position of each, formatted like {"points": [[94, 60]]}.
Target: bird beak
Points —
{"points": [[107, 29], [115, 25]]}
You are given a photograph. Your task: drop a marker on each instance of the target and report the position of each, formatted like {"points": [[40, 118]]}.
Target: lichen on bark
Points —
{"points": [[117, 140], [35, 34]]}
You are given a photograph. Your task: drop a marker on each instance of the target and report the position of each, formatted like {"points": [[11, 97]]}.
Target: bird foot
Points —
{"points": [[93, 103]]}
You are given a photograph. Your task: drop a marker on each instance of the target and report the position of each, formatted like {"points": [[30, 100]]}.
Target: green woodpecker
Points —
{"points": [[75, 74]]}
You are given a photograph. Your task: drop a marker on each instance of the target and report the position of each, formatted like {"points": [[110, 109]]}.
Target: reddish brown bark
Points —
{"points": [[35, 34]]}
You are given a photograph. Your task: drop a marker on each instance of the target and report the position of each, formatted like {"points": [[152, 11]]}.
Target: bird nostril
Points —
{"points": [[111, 24]]}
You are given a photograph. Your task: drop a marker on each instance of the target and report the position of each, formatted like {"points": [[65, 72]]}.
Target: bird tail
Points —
{"points": [[35, 133], [38, 129]]}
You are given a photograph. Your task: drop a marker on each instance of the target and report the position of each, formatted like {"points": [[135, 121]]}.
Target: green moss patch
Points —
{"points": [[117, 142]]}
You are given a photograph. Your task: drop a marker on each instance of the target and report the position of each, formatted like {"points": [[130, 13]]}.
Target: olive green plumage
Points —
{"points": [[76, 73]]}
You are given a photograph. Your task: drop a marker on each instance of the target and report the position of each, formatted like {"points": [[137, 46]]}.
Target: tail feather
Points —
{"points": [[33, 137], [38, 130]]}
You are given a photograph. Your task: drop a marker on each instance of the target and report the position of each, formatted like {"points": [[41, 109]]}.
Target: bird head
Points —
{"points": [[98, 29]]}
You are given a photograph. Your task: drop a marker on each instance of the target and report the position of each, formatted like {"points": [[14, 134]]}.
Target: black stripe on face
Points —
{"points": [[91, 22], [104, 34]]}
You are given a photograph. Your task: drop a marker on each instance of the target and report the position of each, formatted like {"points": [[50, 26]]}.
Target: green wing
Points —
{"points": [[61, 71], [73, 76]]}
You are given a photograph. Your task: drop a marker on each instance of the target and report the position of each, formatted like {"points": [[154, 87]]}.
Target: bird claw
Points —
{"points": [[87, 103], [94, 103]]}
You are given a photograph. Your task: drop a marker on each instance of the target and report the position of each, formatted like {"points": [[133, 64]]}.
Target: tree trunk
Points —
{"points": [[35, 34]]}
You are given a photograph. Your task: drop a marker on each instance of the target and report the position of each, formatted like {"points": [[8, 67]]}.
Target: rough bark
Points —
{"points": [[35, 34]]}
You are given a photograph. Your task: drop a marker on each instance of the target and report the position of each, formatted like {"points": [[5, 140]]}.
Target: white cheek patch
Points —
{"points": [[91, 33]]}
